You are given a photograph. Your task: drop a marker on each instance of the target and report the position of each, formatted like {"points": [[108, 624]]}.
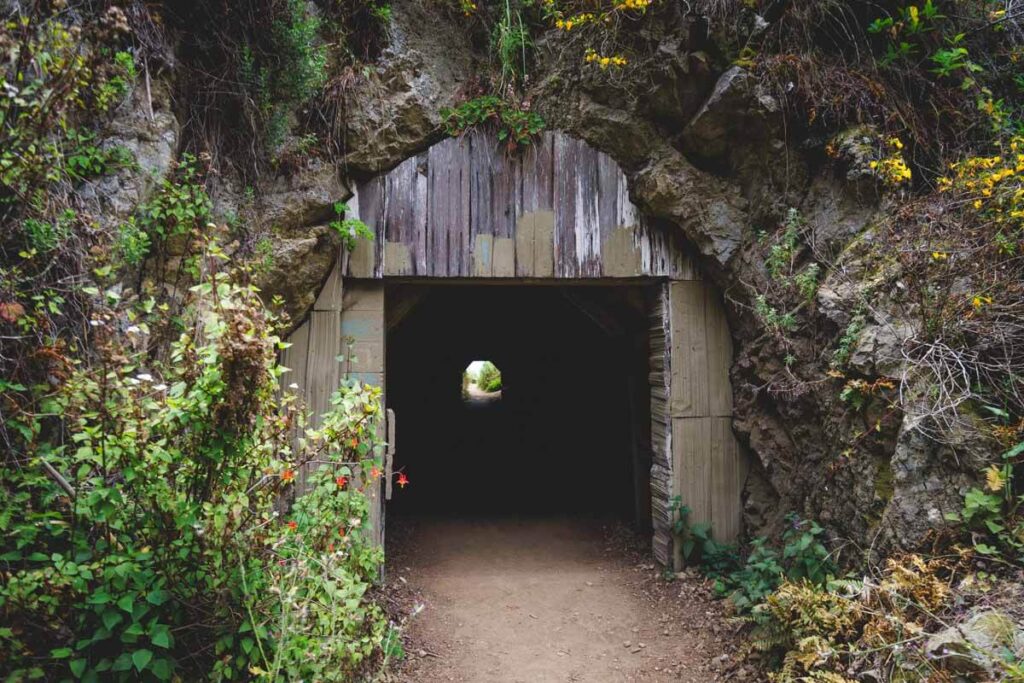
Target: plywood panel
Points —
{"points": [[322, 367], [719, 346], [689, 350], [483, 255], [504, 264], [526, 229], [727, 478], [544, 244], [692, 467], [294, 358]]}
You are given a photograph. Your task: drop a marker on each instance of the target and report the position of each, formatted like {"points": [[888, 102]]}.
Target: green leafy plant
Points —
{"points": [[848, 340], [992, 513], [179, 206], [350, 229], [771, 318], [515, 127]]}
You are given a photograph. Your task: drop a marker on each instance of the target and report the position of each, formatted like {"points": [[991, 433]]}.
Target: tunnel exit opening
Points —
{"points": [[570, 434]]}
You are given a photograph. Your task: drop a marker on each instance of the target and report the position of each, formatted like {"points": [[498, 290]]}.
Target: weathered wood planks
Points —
{"points": [[464, 208]]}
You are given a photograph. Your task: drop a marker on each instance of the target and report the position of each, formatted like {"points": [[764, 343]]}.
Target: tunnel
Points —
{"points": [[569, 433]]}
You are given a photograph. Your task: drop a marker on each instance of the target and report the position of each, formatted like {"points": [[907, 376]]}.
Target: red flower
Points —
{"points": [[341, 481], [293, 525], [374, 472], [354, 443], [402, 479], [287, 476], [330, 547]]}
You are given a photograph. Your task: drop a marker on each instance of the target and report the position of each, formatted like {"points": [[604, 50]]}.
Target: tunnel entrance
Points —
{"points": [[570, 433], [613, 349]]}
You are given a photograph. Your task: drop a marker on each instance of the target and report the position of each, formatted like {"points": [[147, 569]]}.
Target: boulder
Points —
{"points": [[288, 203], [978, 645], [298, 268]]}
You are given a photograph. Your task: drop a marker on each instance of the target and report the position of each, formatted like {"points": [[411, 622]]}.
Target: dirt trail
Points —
{"points": [[509, 601]]}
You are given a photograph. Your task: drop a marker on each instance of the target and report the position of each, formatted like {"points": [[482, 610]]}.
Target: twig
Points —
{"points": [[57, 477]]}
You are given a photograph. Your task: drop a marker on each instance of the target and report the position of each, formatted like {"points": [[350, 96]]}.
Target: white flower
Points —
{"points": [[134, 329], [293, 385], [144, 377], [160, 387]]}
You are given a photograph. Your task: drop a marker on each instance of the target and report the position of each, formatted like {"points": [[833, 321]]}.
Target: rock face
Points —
{"points": [[305, 197], [393, 110], [146, 127]]}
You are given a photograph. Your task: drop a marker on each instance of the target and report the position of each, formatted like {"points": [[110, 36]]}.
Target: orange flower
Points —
{"points": [[287, 476], [402, 479], [293, 525], [374, 472], [354, 443], [341, 481]]}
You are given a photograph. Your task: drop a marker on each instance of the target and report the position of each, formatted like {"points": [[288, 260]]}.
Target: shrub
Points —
{"points": [[145, 531]]}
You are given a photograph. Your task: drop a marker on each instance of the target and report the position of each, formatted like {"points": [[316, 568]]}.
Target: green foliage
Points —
{"points": [[511, 44], [782, 254], [747, 583], [288, 71], [993, 515], [83, 160], [515, 126], [806, 282], [147, 542], [350, 229], [771, 318], [179, 206], [53, 81], [47, 235], [848, 340], [489, 377]]}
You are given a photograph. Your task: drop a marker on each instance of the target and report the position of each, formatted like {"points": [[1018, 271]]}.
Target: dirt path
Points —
{"points": [[549, 600]]}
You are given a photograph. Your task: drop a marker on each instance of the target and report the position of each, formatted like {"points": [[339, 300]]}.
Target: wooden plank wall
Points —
{"points": [[465, 209]]}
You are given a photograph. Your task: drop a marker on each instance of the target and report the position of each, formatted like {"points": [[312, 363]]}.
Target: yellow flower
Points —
{"points": [[940, 256], [978, 301], [994, 479]]}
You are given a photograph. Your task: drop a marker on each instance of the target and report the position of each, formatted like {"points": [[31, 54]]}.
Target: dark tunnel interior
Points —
{"points": [[570, 433]]}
